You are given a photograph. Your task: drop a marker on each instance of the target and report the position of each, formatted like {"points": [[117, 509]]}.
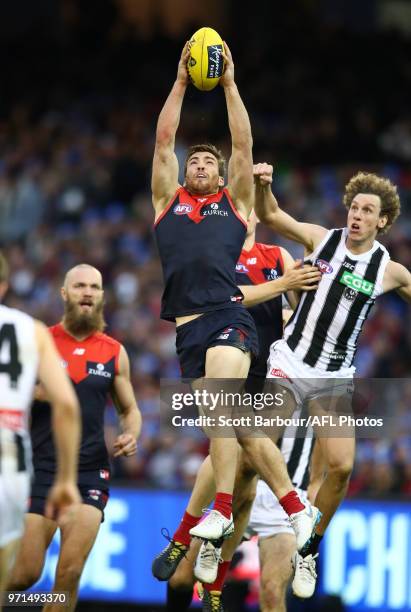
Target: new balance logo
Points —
{"points": [[79, 351]]}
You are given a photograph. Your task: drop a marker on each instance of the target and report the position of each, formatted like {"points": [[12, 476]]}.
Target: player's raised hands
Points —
{"points": [[182, 74], [125, 445], [263, 174], [228, 74]]}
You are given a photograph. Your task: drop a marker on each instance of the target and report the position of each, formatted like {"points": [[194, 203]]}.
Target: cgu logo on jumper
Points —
{"points": [[353, 281], [182, 209]]}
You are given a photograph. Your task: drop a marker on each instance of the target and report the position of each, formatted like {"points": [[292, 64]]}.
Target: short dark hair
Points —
{"points": [[4, 269], [208, 148], [365, 182]]}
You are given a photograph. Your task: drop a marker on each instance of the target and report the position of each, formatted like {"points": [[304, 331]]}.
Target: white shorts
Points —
{"points": [[305, 382], [14, 496], [267, 515]]}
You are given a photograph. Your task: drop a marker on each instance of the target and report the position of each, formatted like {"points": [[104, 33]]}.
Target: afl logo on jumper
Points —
{"points": [[182, 209], [323, 266], [97, 369], [241, 268]]}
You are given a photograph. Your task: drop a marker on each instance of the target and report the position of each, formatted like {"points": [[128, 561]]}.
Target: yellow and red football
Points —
{"points": [[206, 63]]}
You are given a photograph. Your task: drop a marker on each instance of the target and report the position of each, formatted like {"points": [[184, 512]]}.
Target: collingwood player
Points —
{"points": [[27, 352], [317, 352], [276, 538]]}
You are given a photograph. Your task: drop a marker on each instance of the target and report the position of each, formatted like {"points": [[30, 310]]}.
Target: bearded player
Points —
{"points": [[98, 367], [321, 338], [200, 230]]}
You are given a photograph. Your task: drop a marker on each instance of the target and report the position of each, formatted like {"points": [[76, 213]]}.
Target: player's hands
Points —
{"points": [[126, 445], [263, 174], [301, 278], [61, 501], [182, 73], [228, 74]]}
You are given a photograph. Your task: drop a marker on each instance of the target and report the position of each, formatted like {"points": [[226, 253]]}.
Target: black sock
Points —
{"points": [[178, 600], [312, 547]]}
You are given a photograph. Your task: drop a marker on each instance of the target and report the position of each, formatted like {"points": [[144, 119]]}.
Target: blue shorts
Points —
{"points": [[227, 327], [93, 489]]}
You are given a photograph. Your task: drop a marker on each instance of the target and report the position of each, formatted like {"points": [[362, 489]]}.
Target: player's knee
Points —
{"points": [[248, 445], [341, 469], [69, 574], [22, 579], [272, 593]]}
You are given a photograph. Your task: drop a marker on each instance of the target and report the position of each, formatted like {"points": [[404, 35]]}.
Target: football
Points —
{"points": [[206, 63]]}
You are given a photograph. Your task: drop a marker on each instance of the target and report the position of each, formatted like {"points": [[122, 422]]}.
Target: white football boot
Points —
{"points": [[304, 523], [206, 565], [214, 526], [305, 575]]}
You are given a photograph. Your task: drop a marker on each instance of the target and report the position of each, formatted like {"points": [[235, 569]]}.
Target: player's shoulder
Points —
{"points": [[56, 330], [269, 252], [108, 340], [14, 314], [396, 269], [267, 248]]}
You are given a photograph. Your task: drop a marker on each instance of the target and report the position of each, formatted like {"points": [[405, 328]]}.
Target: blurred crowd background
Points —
{"points": [[82, 86]]}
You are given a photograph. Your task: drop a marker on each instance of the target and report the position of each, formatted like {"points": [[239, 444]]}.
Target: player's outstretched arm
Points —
{"points": [[126, 405], [240, 166], [398, 278], [65, 422], [164, 179], [269, 212], [295, 278]]}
